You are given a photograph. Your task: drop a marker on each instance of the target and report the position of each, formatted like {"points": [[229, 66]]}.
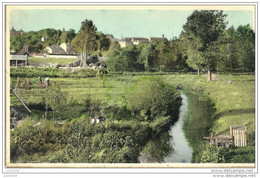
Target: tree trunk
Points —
{"points": [[209, 75], [81, 61], [45, 115], [198, 71]]}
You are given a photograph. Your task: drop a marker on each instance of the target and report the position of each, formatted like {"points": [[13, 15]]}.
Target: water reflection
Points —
{"points": [[182, 151], [181, 143], [197, 122]]}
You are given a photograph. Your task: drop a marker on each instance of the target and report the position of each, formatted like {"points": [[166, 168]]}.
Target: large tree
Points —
{"points": [[202, 36], [85, 41]]}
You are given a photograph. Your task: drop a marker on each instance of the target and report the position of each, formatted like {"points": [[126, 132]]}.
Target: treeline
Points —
{"points": [[54, 37], [235, 52], [204, 44], [33, 39], [152, 56]]}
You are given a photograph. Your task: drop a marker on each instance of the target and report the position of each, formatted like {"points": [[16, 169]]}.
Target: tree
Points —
{"points": [[85, 41], [103, 42], [244, 48], [149, 56], [126, 60], [202, 37], [166, 56], [54, 99]]}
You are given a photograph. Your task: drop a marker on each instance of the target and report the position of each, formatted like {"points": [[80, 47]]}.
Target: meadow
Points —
{"points": [[61, 61], [232, 104]]}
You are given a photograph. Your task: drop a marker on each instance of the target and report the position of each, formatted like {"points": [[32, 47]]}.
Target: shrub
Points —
{"points": [[29, 140], [212, 154], [150, 98]]}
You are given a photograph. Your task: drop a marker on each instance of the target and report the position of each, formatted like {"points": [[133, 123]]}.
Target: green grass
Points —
{"points": [[234, 103], [62, 61]]}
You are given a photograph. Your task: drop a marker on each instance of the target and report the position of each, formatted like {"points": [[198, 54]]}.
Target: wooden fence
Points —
{"points": [[238, 137]]}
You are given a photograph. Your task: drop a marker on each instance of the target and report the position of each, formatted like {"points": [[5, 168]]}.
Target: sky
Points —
{"points": [[120, 23]]}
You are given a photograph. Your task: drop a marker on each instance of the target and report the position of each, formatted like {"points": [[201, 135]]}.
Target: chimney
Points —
{"points": [[162, 35]]}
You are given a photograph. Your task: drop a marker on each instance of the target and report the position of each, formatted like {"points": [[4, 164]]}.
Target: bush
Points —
{"points": [[28, 140], [212, 154], [150, 98], [106, 142]]}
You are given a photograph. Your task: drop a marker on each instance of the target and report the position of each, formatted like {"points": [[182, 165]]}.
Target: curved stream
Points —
{"points": [[182, 151]]}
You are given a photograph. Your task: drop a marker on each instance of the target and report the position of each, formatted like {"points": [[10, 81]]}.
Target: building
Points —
{"points": [[134, 40], [154, 39], [66, 47], [19, 60], [54, 50], [124, 42], [15, 32], [137, 41]]}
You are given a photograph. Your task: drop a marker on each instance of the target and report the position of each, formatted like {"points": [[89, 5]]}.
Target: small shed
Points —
{"points": [[19, 60]]}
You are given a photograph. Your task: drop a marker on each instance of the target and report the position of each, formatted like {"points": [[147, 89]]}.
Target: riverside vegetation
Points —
{"points": [[135, 97], [117, 99]]}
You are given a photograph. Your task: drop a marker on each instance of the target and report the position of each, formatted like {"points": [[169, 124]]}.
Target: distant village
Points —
{"points": [[64, 50]]}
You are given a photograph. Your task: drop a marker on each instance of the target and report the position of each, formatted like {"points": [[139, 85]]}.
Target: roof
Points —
{"points": [[145, 39], [19, 57], [56, 49], [156, 38]]}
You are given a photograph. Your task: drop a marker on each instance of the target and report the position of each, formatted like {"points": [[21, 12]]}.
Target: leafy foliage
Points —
{"points": [[212, 154], [86, 39], [151, 98], [30, 140], [202, 37], [109, 142], [54, 99]]}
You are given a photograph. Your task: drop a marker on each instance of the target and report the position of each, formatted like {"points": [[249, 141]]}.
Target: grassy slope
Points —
{"points": [[234, 103], [61, 61]]}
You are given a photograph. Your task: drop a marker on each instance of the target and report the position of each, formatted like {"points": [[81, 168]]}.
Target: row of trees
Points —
{"points": [[88, 39], [160, 55], [210, 47], [204, 44]]}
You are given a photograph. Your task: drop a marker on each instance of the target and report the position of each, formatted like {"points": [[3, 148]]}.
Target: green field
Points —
{"points": [[62, 61], [234, 103]]}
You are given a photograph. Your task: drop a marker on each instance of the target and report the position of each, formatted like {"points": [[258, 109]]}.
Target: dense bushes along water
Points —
{"points": [[150, 106]]}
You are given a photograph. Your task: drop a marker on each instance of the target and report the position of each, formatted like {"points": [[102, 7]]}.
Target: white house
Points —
{"points": [[66, 47], [124, 42]]}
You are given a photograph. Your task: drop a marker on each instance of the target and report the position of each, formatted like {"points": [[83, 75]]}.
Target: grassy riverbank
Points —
{"points": [[234, 103]]}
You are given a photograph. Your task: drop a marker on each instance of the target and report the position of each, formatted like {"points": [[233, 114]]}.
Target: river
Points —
{"points": [[182, 151], [193, 124]]}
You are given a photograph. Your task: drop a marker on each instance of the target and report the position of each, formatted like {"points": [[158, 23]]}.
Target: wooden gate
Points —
{"points": [[239, 133]]}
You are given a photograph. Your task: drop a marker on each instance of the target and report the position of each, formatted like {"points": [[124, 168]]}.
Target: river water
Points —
{"points": [[182, 151], [187, 133]]}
